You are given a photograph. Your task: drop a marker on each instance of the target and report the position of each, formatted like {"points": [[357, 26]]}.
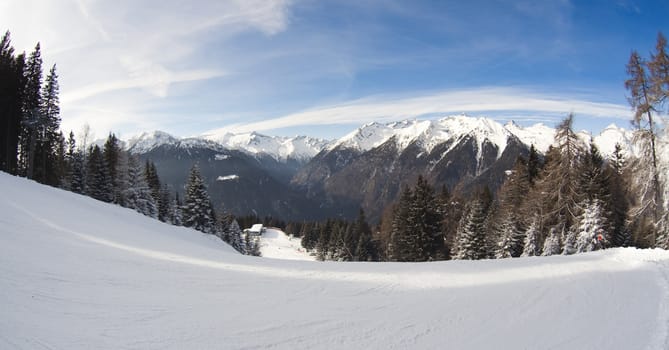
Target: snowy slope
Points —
{"points": [[299, 147], [276, 244], [429, 133], [281, 148], [81, 274], [426, 133]]}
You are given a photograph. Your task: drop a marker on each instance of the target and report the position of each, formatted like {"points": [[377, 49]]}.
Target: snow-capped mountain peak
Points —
{"points": [[425, 133], [298, 147], [147, 141]]}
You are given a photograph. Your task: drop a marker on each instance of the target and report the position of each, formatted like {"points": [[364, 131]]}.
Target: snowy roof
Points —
{"points": [[256, 228]]}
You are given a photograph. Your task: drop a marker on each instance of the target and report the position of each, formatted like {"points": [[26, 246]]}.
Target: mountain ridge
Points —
{"points": [[426, 133]]}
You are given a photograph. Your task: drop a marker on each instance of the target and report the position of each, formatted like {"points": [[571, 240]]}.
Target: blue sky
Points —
{"points": [[322, 68]]}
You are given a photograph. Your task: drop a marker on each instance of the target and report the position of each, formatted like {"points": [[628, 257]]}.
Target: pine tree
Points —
{"points": [[111, 153], [506, 220], [531, 243], [47, 134], [237, 237], [471, 235], [591, 228], [552, 243], [157, 190], [197, 211], [365, 250], [399, 245], [12, 82], [98, 183], [137, 194], [176, 215], [31, 112], [621, 236], [428, 239]]}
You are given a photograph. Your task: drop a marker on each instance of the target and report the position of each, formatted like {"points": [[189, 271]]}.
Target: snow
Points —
{"points": [[281, 148], [539, 135], [76, 273], [221, 156], [227, 178], [426, 133], [276, 244], [147, 141]]}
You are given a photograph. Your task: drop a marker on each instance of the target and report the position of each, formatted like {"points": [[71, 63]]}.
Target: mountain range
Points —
{"points": [[309, 178]]}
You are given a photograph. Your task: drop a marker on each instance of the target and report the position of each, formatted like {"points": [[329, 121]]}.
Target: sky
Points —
{"points": [[323, 68]]}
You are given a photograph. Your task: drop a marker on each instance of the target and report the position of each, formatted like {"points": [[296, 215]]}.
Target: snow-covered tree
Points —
{"points": [[98, 182], [591, 228], [237, 237], [136, 193], [552, 244], [197, 211], [531, 242], [471, 235]]}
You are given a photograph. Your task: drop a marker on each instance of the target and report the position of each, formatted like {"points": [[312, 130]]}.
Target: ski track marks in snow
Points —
{"points": [[77, 273], [412, 280]]}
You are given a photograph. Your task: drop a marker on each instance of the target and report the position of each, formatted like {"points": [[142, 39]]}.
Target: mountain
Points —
{"points": [[286, 149], [76, 273], [302, 177], [300, 148], [369, 166]]}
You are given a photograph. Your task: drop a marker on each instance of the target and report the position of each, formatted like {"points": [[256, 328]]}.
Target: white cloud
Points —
{"points": [[487, 100], [103, 48]]}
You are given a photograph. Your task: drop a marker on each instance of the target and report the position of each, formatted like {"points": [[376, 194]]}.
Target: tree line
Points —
{"points": [[568, 201], [32, 146]]}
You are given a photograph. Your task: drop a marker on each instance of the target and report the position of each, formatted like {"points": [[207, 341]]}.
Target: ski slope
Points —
{"points": [[80, 274], [276, 244]]}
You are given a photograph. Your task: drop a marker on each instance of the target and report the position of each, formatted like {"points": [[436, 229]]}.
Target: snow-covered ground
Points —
{"points": [[79, 274], [276, 244]]}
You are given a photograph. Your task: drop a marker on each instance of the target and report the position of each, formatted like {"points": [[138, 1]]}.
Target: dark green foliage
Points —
{"points": [[111, 153], [11, 103], [98, 182], [471, 235], [197, 211]]}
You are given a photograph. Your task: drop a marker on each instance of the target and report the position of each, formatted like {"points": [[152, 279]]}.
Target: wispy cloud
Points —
{"points": [[105, 49], [492, 101]]}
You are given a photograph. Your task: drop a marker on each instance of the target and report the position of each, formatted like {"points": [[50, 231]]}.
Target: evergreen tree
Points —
{"points": [[47, 134], [621, 236], [137, 194], [31, 112], [507, 220], [592, 234], [111, 154], [197, 211], [426, 233], [237, 237], [98, 183], [176, 216], [471, 235], [365, 250], [399, 245], [531, 243], [533, 165], [12, 82], [157, 190], [552, 243]]}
